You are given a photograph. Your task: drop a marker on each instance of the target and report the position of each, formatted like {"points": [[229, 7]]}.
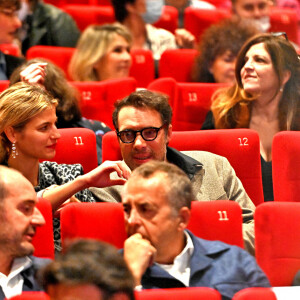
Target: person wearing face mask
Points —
{"points": [[138, 15], [258, 11]]}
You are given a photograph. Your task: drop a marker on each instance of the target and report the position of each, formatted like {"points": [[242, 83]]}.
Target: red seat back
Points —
{"points": [[77, 145], [43, 240], [286, 20], [277, 235], [101, 221], [198, 20], [3, 85], [255, 293], [60, 56], [240, 146], [177, 63], [88, 14], [217, 220], [98, 97], [286, 166], [168, 19], [31, 296], [191, 293], [11, 49], [142, 68], [190, 101]]}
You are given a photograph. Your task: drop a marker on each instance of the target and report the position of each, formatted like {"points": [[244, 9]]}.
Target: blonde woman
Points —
{"points": [[103, 52], [28, 134]]}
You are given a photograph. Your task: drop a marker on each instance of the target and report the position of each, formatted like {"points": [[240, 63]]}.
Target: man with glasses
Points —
{"points": [[143, 124], [9, 25]]}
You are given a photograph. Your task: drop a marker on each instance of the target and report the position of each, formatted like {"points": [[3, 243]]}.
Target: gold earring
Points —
{"points": [[14, 151]]}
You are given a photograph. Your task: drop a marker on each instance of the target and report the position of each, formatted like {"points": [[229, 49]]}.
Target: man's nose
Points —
{"points": [[139, 141], [133, 218], [37, 218]]}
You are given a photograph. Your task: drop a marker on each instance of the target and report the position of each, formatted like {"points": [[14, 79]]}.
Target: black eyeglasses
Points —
{"points": [[148, 134]]}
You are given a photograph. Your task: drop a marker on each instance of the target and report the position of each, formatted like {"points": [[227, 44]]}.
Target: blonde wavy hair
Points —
{"points": [[231, 107], [92, 46], [18, 105]]}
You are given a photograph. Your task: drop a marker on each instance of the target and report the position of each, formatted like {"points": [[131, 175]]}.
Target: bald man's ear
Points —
{"points": [[184, 215]]}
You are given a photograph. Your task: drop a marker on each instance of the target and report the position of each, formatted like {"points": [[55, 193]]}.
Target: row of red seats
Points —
{"points": [[192, 293], [86, 12], [240, 146], [190, 101], [195, 20], [277, 230]]}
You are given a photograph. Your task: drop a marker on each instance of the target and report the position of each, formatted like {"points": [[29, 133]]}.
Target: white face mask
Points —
{"points": [[262, 24], [153, 11]]}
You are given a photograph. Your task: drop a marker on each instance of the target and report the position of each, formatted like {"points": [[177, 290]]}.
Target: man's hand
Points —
{"points": [[184, 39], [34, 73], [139, 254]]}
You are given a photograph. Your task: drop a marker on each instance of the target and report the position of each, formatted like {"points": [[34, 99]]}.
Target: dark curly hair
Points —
{"points": [[229, 34]]}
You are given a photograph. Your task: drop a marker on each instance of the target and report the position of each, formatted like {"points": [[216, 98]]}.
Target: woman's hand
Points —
{"points": [[100, 176], [34, 73]]}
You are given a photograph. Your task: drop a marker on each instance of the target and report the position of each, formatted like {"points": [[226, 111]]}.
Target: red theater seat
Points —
{"points": [[98, 97], [142, 68], [86, 15], [3, 85], [77, 145], [255, 293], [101, 221], [277, 235], [60, 56], [31, 296], [240, 146], [177, 63], [286, 166], [198, 20], [168, 19], [217, 220], [190, 101], [43, 240], [11, 49]]}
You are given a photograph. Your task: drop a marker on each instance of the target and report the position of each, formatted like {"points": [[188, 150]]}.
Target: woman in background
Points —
{"points": [[266, 96], [103, 52], [218, 50]]}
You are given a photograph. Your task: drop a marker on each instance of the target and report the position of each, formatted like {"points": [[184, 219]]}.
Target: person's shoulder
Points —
{"points": [[39, 262], [48, 10], [205, 157]]}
